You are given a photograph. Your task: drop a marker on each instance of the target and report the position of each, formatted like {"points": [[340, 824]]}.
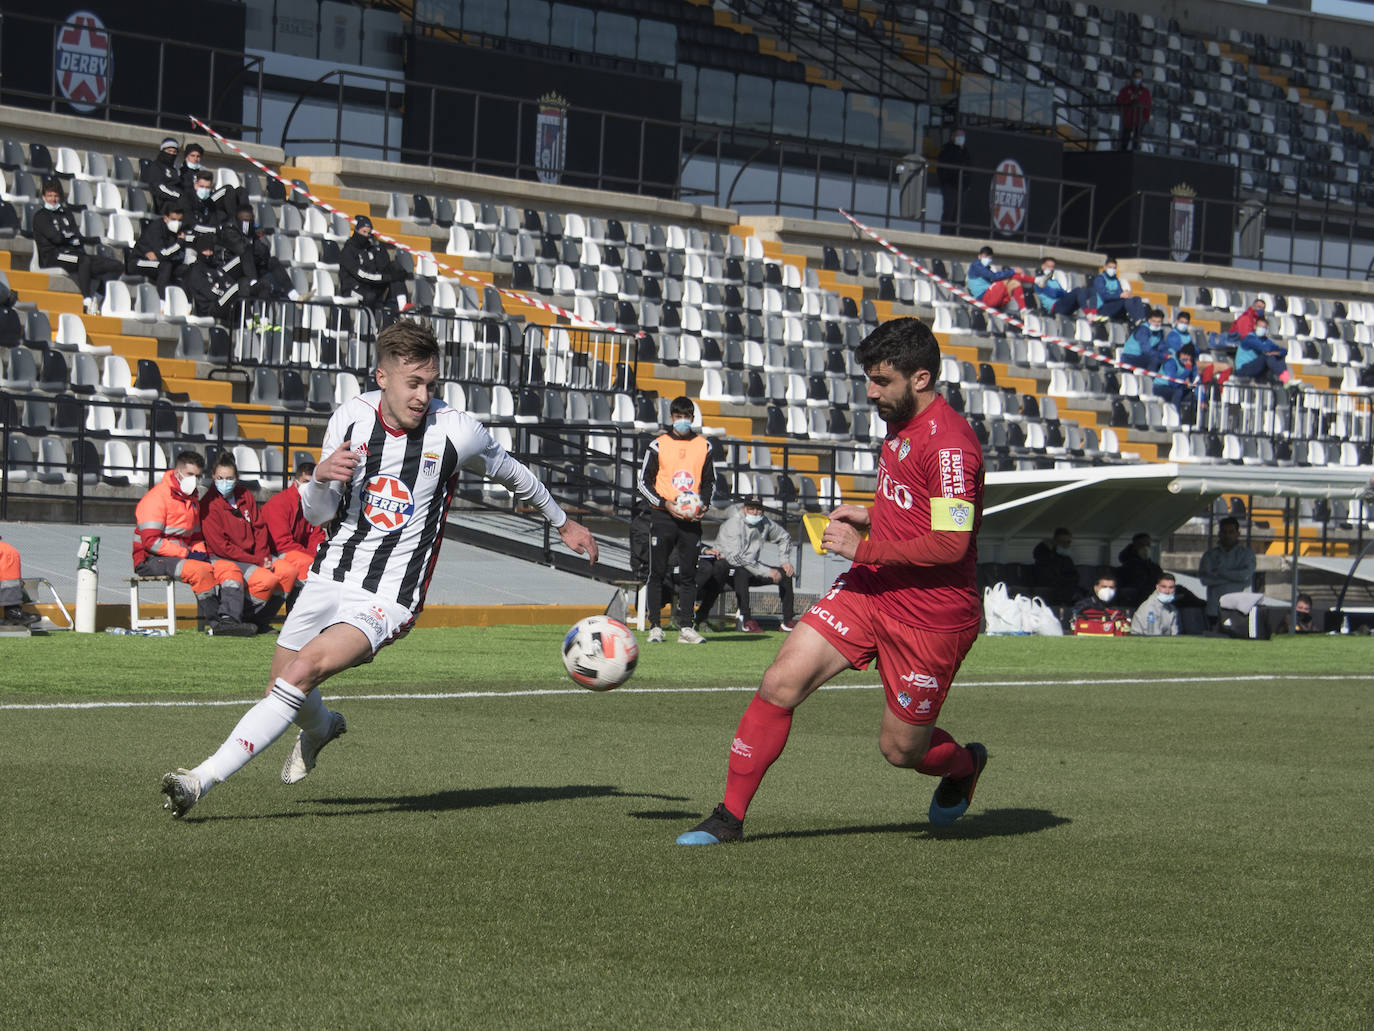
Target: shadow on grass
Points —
{"points": [[449, 801], [991, 823]]}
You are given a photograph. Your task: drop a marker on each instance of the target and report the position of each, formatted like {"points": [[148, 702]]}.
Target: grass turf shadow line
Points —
{"points": [[446, 801], [991, 823]]}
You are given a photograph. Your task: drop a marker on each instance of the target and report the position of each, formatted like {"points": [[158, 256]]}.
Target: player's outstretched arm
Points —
{"points": [[579, 539]]}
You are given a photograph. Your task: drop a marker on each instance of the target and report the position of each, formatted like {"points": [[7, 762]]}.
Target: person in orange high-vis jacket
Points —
{"points": [[290, 535], [168, 542], [234, 532], [12, 588]]}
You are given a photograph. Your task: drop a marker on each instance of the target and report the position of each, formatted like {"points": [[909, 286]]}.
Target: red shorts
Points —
{"points": [[916, 666]]}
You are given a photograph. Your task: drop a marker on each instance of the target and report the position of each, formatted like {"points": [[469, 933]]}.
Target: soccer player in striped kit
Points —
{"points": [[388, 468], [910, 599]]}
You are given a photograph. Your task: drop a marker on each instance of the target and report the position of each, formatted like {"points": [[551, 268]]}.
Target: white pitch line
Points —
{"points": [[580, 692]]}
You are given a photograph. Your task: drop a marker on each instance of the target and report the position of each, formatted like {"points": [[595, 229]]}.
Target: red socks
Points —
{"points": [[945, 757], [759, 740]]}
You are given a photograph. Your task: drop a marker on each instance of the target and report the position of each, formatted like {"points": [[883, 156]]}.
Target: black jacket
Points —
{"points": [[214, 287], [365, 265], [156, 237], [950, 161], [162, 179], [55, 232]]}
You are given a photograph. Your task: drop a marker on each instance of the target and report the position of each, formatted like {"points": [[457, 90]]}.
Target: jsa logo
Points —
{"points": [[898, 493]]}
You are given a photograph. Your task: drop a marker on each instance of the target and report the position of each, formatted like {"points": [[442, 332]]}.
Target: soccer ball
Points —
{"points": [[687, 505], [600, 652]]}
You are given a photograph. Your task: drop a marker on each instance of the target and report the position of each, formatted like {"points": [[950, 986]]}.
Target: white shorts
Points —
{"points": [[322, 603]]}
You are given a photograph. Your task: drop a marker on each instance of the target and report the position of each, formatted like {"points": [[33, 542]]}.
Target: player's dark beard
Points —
{"points": [[901, 410]]}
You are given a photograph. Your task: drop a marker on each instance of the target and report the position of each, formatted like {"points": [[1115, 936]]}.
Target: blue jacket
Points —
{"points": [[1046, 295], [1106, 289], [1252, 347], [1176, 340], [1145, 347], [980, 277], [1173, 367]]}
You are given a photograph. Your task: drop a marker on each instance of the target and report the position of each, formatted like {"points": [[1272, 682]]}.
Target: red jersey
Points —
{"points": [[929, 466]]}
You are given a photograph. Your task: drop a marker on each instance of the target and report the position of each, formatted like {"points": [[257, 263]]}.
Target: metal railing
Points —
{"points": [[160, 109]]}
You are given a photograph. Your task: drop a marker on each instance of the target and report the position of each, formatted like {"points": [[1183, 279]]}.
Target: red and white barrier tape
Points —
{"points": [[1011, 320], [516, 295]]}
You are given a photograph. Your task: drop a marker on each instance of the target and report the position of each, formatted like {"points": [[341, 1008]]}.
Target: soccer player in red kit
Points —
{"points": [[909, 600]]}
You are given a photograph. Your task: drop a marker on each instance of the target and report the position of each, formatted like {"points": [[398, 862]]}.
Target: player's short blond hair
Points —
{"points": [[407, 340]]}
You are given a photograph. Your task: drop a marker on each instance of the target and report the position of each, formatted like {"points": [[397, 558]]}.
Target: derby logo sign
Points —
{"points": [[83, 61], [1009, 197]]}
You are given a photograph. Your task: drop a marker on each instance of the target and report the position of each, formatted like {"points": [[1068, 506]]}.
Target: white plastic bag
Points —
{"points": [[1002, 611], [1044, 621]]}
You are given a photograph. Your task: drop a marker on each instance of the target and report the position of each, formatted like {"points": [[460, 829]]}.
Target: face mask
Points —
{"points": [[1261, 331], [1066, 552], [52, 207], [1155, 327], [188, 483], [1106, 593], [167, 156], [1110, 273], [203, 192], [985, 261], [225, 487], [1182, 327], [1137, 80], [194, 166], [753, 520], [682, 426], [174, 224], [1164, 599], [958, 141]]}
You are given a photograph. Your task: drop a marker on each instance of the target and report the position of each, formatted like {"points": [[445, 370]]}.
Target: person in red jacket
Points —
{"points": [[1245, 321], [168, 542], [1134, 104], [235, 532], [291, 537]]}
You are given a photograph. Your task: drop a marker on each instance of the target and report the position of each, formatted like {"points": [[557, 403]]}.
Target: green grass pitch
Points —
{"points": [[1170, 834]]}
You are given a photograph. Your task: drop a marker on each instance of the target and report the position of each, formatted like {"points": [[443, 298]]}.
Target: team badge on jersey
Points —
{"points": [[683, 480], [387, 503], [904, 450], [429, 465]]}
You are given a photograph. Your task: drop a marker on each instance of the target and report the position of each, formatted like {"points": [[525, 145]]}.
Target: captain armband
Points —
{"points": [[954, 514]]}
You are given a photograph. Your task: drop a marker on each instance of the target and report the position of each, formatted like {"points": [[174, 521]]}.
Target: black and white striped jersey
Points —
{"points": [[388, 522]]}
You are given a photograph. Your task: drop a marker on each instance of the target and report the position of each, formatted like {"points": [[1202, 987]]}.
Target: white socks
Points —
{"points": [[312, 717], [259, 727]]}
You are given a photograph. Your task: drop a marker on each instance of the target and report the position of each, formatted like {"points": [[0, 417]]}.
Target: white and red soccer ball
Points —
{"points": [[600, 652], [686, 505]]}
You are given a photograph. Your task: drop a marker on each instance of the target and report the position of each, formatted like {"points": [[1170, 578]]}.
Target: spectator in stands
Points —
{"points": [[1053, 573], [737, 559], [213, 285], [1245, 321], [1112, 296], [161, 250], [1145, 346], [1137, 571], [1051, 295], [203, 213], [1097, 604], [675, 461], [60, 244], [191, 166], [952, 170], [1133, 103], [996, 286], [265, 274], [369, 272], [168, 542], [1156, 616], [12, 588], [1261, 358], [1228, 566], [290, 536], [1179, 367], [1181, 333], [235, 533], [162, 179]]}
